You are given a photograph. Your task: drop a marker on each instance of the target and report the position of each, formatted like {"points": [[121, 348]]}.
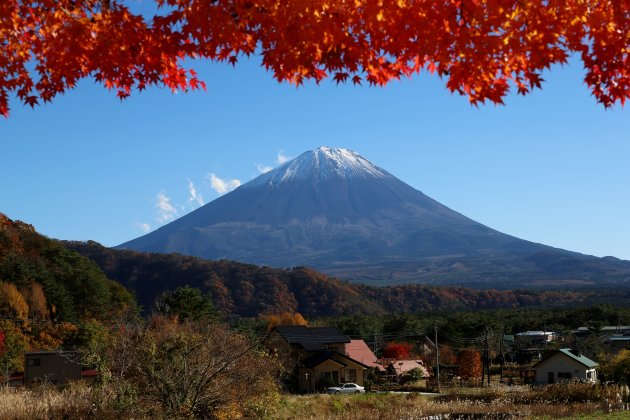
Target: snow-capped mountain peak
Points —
{"points": [[323, 163]]}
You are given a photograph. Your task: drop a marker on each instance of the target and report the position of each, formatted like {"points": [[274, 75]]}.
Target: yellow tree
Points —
{"points": [[36, 300], [12, 303], [285, 318]]}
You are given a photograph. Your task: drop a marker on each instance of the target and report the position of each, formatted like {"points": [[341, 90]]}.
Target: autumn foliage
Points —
{"points": [[469, 364], [285, 318], [397, 350], [482, 47]]}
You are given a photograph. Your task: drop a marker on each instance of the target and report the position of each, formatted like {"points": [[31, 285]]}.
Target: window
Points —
{"points": [[350, 375], [34, 362]]}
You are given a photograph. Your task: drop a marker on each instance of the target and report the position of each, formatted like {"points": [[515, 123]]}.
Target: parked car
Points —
{"points": [[345, 389]]}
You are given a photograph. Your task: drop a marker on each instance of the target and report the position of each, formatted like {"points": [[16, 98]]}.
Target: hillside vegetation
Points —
{"points": [[53, 281], [246, 290]]}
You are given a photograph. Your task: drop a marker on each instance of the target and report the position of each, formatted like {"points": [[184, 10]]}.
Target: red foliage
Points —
{"points": [[469, 362], [482, 47], [1, 342], [396, 350]]}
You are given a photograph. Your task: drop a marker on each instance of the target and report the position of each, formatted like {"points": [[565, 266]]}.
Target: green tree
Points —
{"points": [[413, 375], [12, 351], [619, 367], [188, 303]]}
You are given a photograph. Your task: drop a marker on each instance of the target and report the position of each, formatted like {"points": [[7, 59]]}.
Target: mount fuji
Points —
{"points": [[333, 210]]}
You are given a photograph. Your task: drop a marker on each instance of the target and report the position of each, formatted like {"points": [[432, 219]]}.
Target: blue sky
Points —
{"points": [[551, 167]]}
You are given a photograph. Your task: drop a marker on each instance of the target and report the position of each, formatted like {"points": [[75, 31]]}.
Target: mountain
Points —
{"points": [[333, 210], [246, 290]]}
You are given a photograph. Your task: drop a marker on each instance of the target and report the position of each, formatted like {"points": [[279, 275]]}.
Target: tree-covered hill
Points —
{"points": [[247, 290], [39, 278]]}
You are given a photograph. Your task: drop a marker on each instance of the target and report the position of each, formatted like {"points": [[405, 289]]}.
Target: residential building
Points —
{"points": [[319, 354], [398, 368], [52, 367], [359, 350], [565, 365]]}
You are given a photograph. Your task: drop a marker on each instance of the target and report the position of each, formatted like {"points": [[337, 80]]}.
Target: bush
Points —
{"points": [[191, 369]]}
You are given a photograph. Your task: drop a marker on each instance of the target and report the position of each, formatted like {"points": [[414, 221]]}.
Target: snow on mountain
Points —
{"points": [[334, 210], [323, 163]]}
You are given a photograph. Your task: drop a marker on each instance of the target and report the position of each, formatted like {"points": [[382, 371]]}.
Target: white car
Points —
{"points": [[346, 389]]}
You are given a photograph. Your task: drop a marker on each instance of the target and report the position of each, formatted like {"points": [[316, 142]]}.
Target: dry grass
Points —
{"points": [[574, 401], [504, 403], [45, 403]]}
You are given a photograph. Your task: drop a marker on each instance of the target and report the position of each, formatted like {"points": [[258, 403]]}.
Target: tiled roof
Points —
{"points": [[311, 339]]}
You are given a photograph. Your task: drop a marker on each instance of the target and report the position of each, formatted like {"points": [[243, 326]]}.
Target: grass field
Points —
{"points": [[575, 401]]}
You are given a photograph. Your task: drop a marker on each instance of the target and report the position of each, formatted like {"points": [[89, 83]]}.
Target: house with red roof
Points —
{"points": [[399, 368], [359, 350], [319, 354]]}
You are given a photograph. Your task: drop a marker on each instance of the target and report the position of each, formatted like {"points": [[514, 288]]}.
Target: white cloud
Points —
{"points": [[282, 158], [144, 227], [195, 199], [222, 186], [263, 169], [165, 209]]}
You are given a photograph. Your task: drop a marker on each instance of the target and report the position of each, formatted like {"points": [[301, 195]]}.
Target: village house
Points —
{"points": [[607, 329], [320, 356], [616, 342], [359, 350], [534, 339], [52, 367], [399, 368], [530, 345], [563, 366]]}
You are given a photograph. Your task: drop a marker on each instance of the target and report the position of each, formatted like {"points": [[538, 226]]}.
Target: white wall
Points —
{"points": [[560, 363]]}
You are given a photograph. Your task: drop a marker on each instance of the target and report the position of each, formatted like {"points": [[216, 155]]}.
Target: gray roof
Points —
{"points": [[311, 339], [535, 333]]}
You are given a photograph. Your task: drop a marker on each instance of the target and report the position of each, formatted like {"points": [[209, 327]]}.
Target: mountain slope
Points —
{"points": [[247, 290], [334, 210], [74, 288]]}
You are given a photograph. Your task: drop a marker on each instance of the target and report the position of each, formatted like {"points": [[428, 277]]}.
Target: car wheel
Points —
{"points": [[358, 392], [337, 392]]}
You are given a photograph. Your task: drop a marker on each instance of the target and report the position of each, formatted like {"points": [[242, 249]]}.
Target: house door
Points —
{"points": [[336, 377], [550, 378]]}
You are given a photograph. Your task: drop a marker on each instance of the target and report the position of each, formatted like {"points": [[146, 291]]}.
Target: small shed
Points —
{"points": [[563, 366], [53, 367]]}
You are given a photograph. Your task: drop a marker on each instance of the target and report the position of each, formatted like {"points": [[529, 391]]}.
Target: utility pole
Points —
{"points": [[374, 347], [486, 357], [437, 358], [502, 352]]}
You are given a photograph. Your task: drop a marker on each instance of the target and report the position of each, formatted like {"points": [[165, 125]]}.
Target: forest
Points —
{"points": [[245, 290]]}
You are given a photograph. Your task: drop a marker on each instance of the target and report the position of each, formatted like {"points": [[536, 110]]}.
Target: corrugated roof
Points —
{"points": [[573, 354], [619, 338]]}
